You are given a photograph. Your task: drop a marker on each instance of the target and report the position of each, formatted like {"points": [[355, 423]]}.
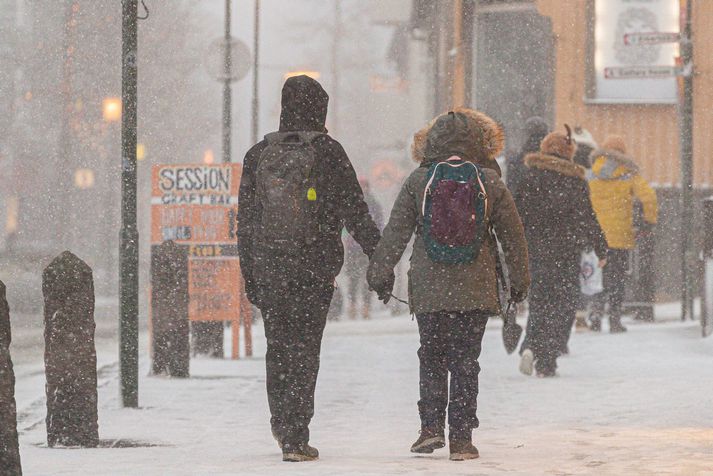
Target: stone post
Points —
{"points": [[70, 354], [9, 448], [169, 310]]}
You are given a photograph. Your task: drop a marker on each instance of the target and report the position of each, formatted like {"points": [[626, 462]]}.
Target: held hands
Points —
{"points": [[602, 262], [384, 289]]}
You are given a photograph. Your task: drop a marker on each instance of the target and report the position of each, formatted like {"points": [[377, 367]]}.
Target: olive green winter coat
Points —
{"points": [[435, 287]]}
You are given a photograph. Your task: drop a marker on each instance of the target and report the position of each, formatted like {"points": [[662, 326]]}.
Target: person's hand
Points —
{"points": [[517, 296], [385, 288], [602, 262], [644, 231]]}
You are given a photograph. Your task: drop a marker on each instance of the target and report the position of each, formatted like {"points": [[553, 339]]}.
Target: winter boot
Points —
{"points": [[527, 362], [595, 321], [299, 453], [615, 325], [546, 373], [429, 440], [462, 450]]}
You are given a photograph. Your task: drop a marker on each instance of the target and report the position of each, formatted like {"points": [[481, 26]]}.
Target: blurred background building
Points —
{"points": [[389, 66]]}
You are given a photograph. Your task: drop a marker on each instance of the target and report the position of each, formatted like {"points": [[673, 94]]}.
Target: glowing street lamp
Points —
{"points": [[111, 109], [312, 74]]}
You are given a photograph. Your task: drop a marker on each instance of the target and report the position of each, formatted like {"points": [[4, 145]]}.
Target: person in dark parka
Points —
{"points": [[553, 201], [452, 302], [293, 284], [535, 130]]}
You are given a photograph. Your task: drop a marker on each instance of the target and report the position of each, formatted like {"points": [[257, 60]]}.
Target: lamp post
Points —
{"points": [[256, 75], [227, 90], [129, 247], [686, 150]]}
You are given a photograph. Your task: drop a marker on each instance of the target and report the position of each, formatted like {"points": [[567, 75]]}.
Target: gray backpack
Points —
{"points": [[286, 190]]}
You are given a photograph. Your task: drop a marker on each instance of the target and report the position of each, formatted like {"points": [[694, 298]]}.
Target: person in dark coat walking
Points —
{"points": [[553, 201], [292, 280], [452, 302], [535, 130]]}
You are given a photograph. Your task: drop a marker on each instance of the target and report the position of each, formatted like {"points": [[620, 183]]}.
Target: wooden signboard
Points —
{"points": [[196, 206]]}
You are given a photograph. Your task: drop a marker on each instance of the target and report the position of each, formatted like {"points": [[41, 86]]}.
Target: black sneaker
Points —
{"points": [[462, 450], [299, 453], [428, 441], [617, 327]]}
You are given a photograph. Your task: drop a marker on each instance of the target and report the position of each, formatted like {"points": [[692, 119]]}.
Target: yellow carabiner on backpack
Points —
{"points": [[311, 194]]}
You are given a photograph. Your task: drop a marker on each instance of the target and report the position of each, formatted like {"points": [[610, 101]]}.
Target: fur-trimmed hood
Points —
{"points": [[609, 164], [489, 139], [541, 161]]}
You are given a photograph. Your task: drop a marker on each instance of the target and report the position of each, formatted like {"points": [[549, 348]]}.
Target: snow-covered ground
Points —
{"points": [[638, 403]]}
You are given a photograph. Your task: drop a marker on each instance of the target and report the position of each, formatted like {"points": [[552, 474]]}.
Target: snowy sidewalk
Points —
{"points": [[638, 403]]}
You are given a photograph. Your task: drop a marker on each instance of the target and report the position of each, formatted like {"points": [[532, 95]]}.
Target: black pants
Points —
{"points": [[450, 342], [615, 280], [553, 305], [294, 324]]}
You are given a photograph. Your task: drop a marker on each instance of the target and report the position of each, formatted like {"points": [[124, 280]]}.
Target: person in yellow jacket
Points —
{"points": [[615, 185]]}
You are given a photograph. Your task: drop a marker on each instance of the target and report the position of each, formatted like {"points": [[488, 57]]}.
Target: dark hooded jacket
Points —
{"points": [[304, 108], [435, 287], [553, 201], [535, 130]]}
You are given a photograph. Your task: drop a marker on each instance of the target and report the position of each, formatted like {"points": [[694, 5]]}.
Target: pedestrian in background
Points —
{"points": [[535, 130], [553, 201], [356, 262], [616, 184]]}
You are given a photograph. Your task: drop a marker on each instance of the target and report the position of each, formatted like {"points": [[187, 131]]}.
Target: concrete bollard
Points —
{"points": [[9, 447], [70, 354], [169, 311]]}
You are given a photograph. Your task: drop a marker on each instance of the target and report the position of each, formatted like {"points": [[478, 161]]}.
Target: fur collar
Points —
{"points": [[617, 157], [555, 164]]}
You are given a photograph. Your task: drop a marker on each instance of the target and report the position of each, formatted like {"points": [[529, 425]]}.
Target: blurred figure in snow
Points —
{"points": [[615, 185], [535, 130], [553, 201], [356, 262]]}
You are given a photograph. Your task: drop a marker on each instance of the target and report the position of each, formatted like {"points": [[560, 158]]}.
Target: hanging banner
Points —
{"points": [[634, 62]]}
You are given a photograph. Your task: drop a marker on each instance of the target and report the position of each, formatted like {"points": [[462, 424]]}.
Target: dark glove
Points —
{"points": [[384, 288], [644, 231], [517, 296]]}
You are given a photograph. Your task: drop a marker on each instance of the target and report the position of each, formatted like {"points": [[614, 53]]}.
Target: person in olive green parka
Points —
{"points": [[452, 302]]}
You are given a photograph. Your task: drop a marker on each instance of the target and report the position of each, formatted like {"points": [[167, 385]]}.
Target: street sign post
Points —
{"points": [[196, 205]]}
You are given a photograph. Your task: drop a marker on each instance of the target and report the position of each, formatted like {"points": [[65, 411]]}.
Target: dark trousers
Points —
{"points": [[615, 280], [553, 304], [450, 342], [294, 324]]}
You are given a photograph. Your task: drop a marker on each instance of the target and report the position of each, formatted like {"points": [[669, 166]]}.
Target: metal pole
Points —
{"points": [[335, 65], [129, 248], [227, 92], [256, 74], [458, 65], [686, 150]]}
